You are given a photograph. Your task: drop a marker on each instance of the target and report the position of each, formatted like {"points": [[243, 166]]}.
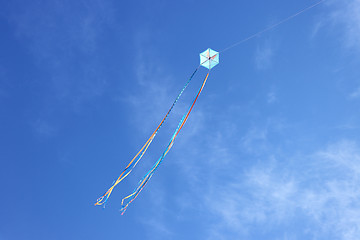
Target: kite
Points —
{"points": [[208, 59]]}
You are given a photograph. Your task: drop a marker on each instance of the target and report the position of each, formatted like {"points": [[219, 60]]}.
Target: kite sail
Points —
{"points": [[208, 59]]}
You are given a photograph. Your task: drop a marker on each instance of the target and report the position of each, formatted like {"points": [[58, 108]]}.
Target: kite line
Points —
{"points": [[272, 26]]}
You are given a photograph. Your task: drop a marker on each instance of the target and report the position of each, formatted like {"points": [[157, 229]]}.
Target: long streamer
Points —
{"points": [[131, 165], [149, 174]]}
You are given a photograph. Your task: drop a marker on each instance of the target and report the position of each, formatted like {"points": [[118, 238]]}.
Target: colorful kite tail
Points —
{"points": [[131, 165], [128, 199]]}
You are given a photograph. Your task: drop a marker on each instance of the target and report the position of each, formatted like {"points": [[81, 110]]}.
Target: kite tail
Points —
{"points": [[149, 174], [131, 165]]}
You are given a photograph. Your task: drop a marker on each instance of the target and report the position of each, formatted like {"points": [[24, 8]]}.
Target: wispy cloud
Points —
{"points": [[59, 28], [254, 139], [56, 33], [263, 56], [348, 14], [156, 223], [154, 83], [344, 17], [43, 128], [355, 94], [271, 96], [320, 197]]}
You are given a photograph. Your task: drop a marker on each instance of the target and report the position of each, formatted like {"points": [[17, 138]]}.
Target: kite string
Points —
{"points": [[103, 199], [149, 174], [273, 26]]}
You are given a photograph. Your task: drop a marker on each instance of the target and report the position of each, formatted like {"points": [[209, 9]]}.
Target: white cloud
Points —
{"points": [[56, 33], [153, 98], [56, 29], [271, 96], [44, 128], [255, 139], [348, 14], [355, 94], [323, 195], [263, 56], [344, 17], [156, 221]]}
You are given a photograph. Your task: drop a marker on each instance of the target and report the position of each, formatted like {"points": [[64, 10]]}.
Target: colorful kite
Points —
{"points": [[209, 59]]}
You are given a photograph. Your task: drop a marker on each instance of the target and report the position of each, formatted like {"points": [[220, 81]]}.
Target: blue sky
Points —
{"points": [[270, 151]]}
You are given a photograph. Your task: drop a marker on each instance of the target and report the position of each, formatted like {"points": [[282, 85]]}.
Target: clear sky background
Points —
{"points": [[270, 151]]}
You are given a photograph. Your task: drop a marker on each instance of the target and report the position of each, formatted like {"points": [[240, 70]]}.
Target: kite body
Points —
{"points": [[208, 59]]}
